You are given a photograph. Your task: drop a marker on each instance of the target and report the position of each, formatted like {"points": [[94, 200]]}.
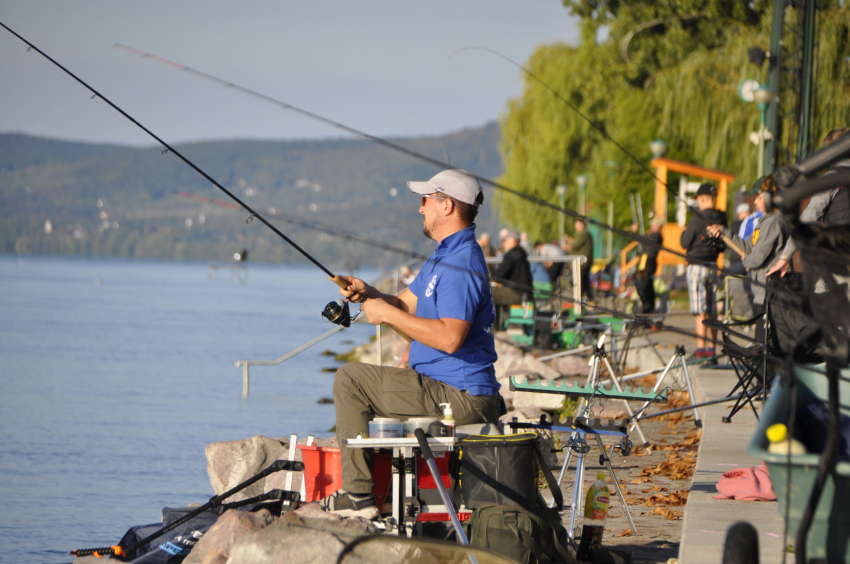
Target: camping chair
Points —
{"points": [[748, 362]]}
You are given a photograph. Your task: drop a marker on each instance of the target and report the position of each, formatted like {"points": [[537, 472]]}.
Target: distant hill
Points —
{"points": [[63, 197]]}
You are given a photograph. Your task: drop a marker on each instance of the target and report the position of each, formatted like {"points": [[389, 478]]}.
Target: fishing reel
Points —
{"points": [[338, 313]]}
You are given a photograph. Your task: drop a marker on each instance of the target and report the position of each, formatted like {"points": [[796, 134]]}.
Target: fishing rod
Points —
{"points": [[395, 146], [650, 320], [316, 226], [409, 152], [605, 134], [334, 311]]}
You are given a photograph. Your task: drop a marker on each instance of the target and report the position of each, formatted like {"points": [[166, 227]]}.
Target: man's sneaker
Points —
{"points": [[697, 356], [345, 504]]}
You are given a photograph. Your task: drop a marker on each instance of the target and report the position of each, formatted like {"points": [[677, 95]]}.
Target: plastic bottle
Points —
{"points": [[780, 443], [595, 512], [448, 419]]}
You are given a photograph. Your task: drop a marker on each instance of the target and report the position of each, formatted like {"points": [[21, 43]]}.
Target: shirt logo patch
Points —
{"points": [[431, 286]]}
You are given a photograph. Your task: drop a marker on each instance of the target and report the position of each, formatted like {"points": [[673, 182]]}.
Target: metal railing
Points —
{"points": [[392, 276]]}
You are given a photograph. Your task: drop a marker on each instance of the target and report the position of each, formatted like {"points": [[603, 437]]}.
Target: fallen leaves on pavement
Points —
{"points": [[667, 513]]}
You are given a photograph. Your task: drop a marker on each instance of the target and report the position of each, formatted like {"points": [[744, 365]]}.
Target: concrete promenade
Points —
{"points": [[722, 448]]}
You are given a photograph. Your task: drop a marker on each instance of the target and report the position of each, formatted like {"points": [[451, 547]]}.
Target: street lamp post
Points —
{"points": [[612, 168], [762, 96], [658, 148], [581, 180], [562, 192]]}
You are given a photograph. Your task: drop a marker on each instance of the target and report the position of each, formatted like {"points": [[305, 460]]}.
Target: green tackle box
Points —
{"points": [[829, 535]]}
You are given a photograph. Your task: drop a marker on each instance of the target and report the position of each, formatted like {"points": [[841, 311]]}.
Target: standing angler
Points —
{"points": [[448, 313]]}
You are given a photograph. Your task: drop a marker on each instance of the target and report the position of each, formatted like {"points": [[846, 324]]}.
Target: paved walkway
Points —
{"points": [[722, 448]]}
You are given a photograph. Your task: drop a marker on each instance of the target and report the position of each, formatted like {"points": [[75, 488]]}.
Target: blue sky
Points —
{"points": [[384, 67]]}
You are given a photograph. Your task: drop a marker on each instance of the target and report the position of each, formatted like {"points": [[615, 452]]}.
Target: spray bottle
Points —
{"points": [[448, 419], [595, 513]]}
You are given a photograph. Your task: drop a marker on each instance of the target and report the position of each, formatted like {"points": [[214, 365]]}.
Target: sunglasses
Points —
{"points": [[432, 198]]}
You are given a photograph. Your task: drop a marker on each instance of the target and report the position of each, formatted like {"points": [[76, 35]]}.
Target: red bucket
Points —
{"points": [[323, 473]]}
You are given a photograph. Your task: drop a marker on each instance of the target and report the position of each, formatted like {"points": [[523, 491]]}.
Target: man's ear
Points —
{"points": [[452, 206]]}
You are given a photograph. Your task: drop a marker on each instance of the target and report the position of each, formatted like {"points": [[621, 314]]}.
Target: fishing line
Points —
{"points": [[598, 128], [647, 320], [389, 144], [409, 152], [169, 148], [568, 103]]}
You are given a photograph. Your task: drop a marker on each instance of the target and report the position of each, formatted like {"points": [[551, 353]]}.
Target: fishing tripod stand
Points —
{"points": [[678, 358], [580, 426]]}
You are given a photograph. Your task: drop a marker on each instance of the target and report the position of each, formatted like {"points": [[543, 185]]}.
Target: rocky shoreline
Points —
{"points": [[655, 479]]}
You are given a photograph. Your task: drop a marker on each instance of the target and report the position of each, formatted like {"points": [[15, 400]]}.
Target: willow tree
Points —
{"points": [[667, 69]]}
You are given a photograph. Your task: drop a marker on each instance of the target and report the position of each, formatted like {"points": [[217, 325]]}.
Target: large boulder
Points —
{"points": [[306, 536], [230, 463], [572, 365], [214, 547]]}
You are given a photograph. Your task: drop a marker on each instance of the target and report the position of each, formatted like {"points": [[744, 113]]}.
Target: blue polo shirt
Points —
{"points": [[454, 283]]}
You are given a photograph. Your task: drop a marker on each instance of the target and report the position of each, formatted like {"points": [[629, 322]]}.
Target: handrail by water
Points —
{"points": [[246, 364]]}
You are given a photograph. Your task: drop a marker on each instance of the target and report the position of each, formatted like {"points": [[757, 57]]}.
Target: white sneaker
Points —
{"points": [[345, 505]]}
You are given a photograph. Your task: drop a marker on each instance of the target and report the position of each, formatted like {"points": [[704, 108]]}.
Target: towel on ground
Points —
{"points": [[746, 484]]}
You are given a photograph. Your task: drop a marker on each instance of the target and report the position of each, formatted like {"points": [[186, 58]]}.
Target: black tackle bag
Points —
{"points": [[499, 480], [502, 470]]}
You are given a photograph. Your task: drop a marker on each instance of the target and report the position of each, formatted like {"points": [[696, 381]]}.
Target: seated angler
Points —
{"points": [[448, 313]]}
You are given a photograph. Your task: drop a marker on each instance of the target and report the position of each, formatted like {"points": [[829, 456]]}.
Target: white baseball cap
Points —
{"points": [[457, 183]]}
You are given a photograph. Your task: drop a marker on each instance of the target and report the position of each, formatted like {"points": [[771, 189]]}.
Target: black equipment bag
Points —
{"points": [[501, 470], [175, 545], [529, 537], [499, 480]]}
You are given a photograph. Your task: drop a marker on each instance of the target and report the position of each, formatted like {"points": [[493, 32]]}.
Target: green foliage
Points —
{"points": [[668, 69]]}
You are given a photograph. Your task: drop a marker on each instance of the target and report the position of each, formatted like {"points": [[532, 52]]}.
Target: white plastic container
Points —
{"points": [[411, 425], [386, 428]]}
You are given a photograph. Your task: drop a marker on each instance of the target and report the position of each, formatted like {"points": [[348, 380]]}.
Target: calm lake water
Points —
{"points": [[117, 373]]}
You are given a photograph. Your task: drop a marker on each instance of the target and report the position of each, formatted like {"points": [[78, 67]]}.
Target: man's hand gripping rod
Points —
{"points": [[337, 312]]}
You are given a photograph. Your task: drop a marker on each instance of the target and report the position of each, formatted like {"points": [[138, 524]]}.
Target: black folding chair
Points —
{"points": [[749, 362]]}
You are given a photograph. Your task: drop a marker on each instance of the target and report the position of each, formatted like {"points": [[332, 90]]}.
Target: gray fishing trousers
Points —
{"points": [[364, 391]]}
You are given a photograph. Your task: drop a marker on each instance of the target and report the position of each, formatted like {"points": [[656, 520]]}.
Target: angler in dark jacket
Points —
{"points": [[513, 269], [702, 250]]}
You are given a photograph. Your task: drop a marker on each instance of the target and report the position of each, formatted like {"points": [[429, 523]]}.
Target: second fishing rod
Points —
{"points": [[400, 148], [336, 312]]}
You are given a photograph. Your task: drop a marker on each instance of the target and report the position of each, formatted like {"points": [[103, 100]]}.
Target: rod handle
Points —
{"points": [[424, 446], [402, 335], [731, 244]]}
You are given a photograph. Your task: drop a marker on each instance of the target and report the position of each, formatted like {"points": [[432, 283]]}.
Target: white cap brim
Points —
{"points": [[421, 188]]}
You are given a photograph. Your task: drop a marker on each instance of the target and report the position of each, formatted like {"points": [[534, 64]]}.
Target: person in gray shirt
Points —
{"points": [[818, 207], [764, 247]]}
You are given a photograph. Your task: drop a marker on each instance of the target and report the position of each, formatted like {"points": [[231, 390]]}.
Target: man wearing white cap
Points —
{"points": [[448, 313]]}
